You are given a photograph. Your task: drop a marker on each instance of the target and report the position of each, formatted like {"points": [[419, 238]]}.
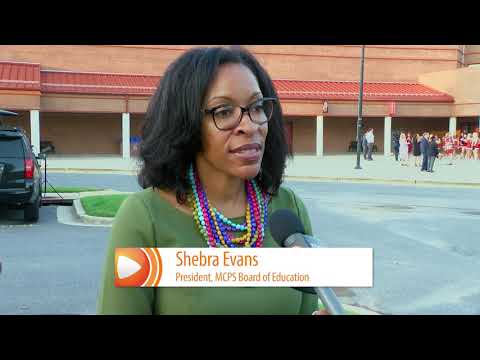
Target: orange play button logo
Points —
{"points": [[137, 267]]}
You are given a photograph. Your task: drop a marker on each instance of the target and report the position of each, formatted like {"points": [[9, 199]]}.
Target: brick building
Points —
{"points": [[90, 100]]}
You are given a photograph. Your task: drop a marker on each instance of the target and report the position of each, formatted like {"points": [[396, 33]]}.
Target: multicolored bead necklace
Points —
{"points": [[216, 228]]}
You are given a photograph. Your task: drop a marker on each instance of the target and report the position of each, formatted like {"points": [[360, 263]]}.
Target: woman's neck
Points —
{"points": [[224, 192]]}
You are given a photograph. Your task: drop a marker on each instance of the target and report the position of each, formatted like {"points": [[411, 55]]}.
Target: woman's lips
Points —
{"points": [[250, 152]]}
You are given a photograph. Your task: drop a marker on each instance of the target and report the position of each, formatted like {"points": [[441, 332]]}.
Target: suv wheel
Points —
{"points": [[31, 212]]}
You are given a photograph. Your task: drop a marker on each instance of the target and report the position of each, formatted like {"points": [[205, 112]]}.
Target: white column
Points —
{"points": [[387, 136], [452, 126], [126, 135], [319, 135], [35, 130]]}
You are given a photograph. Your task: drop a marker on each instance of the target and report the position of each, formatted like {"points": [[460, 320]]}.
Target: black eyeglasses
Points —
{"points": [[228, 117]]}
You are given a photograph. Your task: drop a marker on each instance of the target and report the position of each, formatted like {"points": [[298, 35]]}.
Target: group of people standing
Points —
{"points": [[466, 146], [428, 147], [425, 149]]}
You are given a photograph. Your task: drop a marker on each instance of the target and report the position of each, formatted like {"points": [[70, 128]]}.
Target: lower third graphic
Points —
{"points": [[137, 267]]}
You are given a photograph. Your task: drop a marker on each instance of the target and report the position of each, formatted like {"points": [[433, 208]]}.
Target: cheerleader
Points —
{"points": [[448, 147], [462, 143], [475, 145], [469, 147], [456, 147]]}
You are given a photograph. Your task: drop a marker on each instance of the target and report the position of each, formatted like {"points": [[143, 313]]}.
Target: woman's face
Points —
{"points": [[237, 152]]}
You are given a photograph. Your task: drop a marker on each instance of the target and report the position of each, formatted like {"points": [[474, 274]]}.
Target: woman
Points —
{"points": [[463, 145], [410, 145], [403, 150], [213, 148], [416, 149], [469, 147], [475, 145], [448, 147]]}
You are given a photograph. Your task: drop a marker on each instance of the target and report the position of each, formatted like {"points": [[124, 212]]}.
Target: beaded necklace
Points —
{"points": [[216, 229]]}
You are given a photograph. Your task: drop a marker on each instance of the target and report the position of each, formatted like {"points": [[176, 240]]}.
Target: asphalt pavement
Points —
{"points": [[426, 243]]}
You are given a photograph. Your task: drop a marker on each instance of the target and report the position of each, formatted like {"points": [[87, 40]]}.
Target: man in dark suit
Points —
{"points": [[433, 152], [425, 150], [396, 144]]}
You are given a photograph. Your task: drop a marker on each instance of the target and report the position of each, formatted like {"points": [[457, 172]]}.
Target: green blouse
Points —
{"points": [[145, 219]]}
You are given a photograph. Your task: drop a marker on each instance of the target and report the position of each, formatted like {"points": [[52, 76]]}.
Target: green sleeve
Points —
{"points": [[132, 227], [309, 301]]}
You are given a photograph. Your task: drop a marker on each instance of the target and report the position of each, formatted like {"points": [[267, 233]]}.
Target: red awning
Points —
{"points": [[349, 90], [19, 76], [97, 83], [29, 77]]}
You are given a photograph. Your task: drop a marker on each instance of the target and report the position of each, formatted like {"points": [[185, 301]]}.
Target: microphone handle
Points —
{"points": [[330, 301], [326, 295]]}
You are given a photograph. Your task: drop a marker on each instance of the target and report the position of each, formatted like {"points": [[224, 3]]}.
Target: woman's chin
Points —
{"points": [[248, 172]]}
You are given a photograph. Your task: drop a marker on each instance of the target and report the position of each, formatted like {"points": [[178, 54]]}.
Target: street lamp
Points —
{"points": [[360, 102]]}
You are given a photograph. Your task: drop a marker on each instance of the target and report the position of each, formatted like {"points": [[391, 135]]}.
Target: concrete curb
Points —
{"points": [[95, 220], [77, 204]]}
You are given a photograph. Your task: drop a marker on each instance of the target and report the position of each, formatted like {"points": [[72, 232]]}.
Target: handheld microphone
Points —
{"points": [[288, 231]]}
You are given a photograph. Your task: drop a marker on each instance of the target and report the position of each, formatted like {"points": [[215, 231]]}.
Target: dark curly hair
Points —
{"points": [[171, 134]]}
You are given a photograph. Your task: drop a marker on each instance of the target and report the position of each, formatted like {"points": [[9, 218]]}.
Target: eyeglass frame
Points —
{"points": [[243, 111]]}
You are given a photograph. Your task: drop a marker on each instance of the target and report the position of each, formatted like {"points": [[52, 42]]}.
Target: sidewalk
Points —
{"points": [[383, 169]]}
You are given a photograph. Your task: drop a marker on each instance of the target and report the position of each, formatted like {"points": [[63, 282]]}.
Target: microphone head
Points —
{"points": [[284, 223]]}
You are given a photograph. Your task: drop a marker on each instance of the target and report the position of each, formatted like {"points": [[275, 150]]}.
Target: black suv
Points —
{"points": [[20, 173]]}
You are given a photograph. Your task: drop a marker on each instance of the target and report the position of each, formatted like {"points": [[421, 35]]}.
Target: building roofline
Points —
{"points": [[98, 73], [18, 62]]}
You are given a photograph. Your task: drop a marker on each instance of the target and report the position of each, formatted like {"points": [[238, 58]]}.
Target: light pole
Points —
{"points": [[360, 103]]}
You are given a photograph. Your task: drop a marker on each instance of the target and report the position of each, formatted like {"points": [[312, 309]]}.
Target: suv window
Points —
{"points": [[11, 147]]}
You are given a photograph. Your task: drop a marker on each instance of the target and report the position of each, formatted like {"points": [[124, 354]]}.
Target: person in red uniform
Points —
{"points": [[463, 145], [475, 145], [410, 145], [469, 147], [448, 147], [457, 148]]}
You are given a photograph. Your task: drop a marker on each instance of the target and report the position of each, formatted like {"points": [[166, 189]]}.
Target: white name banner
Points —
{"points": [[244, 267]]}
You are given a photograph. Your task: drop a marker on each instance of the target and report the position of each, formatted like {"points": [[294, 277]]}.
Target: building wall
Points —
{"points": [[18, 100], [339, 62], [420, 125], [469, 124], [472, 55], [75, 134], [463, 84], [303, 135], [338, 132], [136, 122], [22, 120], [74, 103]]}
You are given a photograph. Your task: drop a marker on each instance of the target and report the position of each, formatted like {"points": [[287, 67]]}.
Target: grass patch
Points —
{"points": [[103, 205], [69, 189]]}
